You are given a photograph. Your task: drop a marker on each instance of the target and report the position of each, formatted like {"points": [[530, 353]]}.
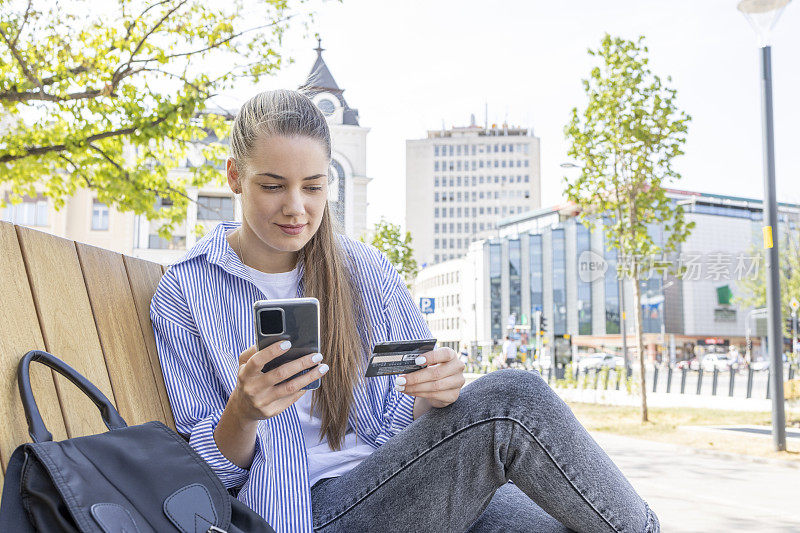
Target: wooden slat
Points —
{"points": [[120, 333], [20, 333], [67, 324], [143, 277]]}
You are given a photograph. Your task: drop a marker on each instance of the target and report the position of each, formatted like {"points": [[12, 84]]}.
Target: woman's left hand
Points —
{"points": [[439, 382]]}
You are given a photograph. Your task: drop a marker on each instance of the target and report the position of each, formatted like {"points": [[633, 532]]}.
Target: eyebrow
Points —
{"points": [[277, 177]]}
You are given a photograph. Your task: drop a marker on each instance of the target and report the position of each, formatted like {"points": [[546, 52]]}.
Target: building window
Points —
{"points": [[156, 242], [495, 291], [559, 283], [584, 288], [99, 216], [515, 278], [29, 212], [612, 286], [537, 292], [214, 208]]}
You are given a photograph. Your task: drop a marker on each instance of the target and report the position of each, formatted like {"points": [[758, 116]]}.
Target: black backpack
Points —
{"points": [[137, 479]]}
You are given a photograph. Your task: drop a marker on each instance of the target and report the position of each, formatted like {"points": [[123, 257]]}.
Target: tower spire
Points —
{"points": [[319, 48]]}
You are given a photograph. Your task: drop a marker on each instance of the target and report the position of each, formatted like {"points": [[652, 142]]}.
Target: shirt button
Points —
{"points": [[367, 431]]}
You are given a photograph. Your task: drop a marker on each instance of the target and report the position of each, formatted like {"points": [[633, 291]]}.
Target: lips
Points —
{"points": [[292, 229]]}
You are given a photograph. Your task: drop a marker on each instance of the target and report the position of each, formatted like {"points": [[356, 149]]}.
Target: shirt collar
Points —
{"points": [[214, 246]]}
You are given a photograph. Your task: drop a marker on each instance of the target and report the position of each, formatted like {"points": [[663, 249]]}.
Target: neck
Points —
{"points": [[254, 253]]}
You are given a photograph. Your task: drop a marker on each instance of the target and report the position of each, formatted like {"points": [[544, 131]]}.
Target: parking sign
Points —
{"points": [[427, 305]]}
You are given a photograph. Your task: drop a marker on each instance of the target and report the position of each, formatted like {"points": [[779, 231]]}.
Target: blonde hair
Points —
{"points": [[326, 274]]}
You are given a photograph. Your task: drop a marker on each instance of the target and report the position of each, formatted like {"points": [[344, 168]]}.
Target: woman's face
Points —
{"points": [[284, 188]]}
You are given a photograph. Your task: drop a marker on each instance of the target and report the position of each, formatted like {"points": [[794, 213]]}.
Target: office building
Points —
{"points": [[461, 182]]}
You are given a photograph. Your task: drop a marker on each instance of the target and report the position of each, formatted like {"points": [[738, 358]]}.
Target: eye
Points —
{"points": [[270, 187], [315, 188]]}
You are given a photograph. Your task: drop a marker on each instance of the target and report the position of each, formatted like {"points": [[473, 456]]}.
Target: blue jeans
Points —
{"points": [[450, 471]]}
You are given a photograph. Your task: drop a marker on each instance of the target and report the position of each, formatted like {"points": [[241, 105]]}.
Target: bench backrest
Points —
{"points": [[90, 307]]}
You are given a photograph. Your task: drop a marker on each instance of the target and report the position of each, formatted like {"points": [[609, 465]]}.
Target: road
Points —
{"points": [[694, 491]]}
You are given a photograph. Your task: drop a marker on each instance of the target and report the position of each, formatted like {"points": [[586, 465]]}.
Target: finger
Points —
{"points": [[432, 373], [247, 354], [294, 385], [262, 357], [454, 382], [439, 355], [287, 370]]}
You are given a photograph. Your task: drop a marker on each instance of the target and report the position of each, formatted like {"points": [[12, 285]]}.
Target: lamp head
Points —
{"points": [[762, 15]]}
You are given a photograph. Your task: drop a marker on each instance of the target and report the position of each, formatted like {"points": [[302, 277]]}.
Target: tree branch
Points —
{"points": [[22, 64], [77, 170], [217, 44], [149, 33], [24, 21], [41, 150]]}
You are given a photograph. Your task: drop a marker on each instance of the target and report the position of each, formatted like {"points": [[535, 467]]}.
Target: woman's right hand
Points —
{"points": [[260, 395]]}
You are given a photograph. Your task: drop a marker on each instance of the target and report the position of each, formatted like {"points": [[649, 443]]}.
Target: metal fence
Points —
{"points": [[744, 383]]}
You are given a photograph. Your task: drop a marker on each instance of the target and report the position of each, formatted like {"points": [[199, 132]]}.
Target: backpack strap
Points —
{"points": [[12, 513], [36, 428]]}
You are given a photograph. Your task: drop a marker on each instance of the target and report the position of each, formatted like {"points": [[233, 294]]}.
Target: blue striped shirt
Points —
{"points": [[202, 319]]}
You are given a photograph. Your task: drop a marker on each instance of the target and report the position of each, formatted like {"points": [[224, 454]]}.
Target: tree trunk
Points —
{"points": [[637, 326]]}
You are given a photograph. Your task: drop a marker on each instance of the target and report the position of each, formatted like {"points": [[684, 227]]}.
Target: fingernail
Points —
{"points": [[285, 345], [400, 388], [400, 381], [317, 358], [420, 360], [322, 368]]}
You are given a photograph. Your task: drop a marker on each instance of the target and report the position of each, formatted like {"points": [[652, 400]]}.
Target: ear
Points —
{"points": [[234, 178]]}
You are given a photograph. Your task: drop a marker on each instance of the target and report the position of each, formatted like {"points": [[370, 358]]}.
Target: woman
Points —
{"points": [[408, 453]]}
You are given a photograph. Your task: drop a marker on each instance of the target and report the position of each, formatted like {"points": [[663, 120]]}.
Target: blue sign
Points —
{"points": [[427, 305]]}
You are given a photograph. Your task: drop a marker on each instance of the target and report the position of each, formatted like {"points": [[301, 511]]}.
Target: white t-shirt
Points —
{"points": [[322, 461]]}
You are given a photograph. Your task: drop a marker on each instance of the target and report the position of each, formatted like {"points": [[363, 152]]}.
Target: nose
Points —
{"points": [[294, 204]]}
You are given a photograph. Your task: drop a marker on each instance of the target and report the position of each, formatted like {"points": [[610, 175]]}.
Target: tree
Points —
{"points": [[626, 139], [754, 287], [112, 97], [388, 238]]}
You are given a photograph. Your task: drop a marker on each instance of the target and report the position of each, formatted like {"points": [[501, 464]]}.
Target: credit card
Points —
{"points": [[397, 357]]}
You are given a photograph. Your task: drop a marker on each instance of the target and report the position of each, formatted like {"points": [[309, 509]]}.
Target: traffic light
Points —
{"points": [[543, 326]]}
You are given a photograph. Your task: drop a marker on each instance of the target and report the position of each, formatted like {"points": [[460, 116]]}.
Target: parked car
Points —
{"points": [[689, 364], [719, 361], [600, 360]]}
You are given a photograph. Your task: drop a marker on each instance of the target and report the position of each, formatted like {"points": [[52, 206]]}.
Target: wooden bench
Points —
{"points": [[91, 308]]}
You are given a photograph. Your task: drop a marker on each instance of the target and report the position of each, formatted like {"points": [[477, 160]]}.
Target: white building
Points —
{"points": [[460, 182], [444, 282]]}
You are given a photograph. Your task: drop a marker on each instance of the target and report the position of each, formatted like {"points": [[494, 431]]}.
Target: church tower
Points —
{"points": [[347, 193]]}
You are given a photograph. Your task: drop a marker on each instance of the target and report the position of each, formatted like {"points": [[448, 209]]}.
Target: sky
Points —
{"points": [[409, 66]]}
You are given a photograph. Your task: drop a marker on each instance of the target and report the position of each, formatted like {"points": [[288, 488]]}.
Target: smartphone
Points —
{"points": [[292, 319], [397, 357]]}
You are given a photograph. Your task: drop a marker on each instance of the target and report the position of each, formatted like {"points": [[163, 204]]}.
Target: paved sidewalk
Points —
{"points": [[694, 491]]}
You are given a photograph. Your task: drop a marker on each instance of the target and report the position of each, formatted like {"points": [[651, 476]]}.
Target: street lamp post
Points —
{"points": [[763, 14]]}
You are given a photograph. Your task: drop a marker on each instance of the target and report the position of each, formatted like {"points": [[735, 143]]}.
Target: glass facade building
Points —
{"points": [[559, 282], [584, 303], [515, 278], [537, 288], [495, 289]]}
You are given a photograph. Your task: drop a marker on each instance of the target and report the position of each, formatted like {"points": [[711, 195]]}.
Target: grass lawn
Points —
{"points": [[664, 426]]}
